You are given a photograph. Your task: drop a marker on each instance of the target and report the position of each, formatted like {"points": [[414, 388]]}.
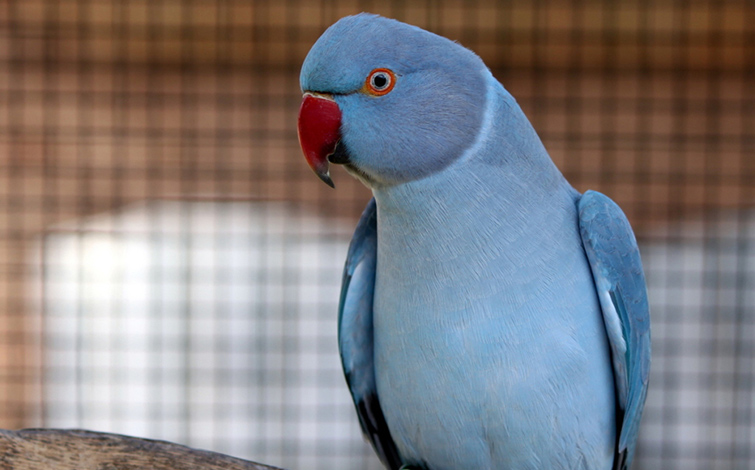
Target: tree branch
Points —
{"points": [[59, 449]]}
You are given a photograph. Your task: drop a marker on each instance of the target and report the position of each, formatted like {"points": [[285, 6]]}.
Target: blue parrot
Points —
{"points": [[491, 317]]}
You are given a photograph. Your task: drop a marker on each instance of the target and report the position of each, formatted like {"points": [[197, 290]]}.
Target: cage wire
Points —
{"points": [[169, 266]]}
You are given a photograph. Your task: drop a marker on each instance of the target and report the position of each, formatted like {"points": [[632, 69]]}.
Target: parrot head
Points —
{"points": [[391, 102]]}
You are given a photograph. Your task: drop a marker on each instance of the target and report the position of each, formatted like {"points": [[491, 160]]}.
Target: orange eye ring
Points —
{"points": [[379, 82]]}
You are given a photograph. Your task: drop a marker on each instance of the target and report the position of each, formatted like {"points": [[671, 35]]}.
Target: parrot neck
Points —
{"points": [[505, 190], [504, 171], [471, 210]]}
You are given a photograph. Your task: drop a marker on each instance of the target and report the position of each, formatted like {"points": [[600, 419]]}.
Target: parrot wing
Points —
{"points": [[617, 270], [355, 338]]}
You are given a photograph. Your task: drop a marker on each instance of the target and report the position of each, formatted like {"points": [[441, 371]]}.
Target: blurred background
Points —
{"points": [[170, 266]]}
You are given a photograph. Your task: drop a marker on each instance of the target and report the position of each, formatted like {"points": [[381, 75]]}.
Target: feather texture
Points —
{"points": [[491, 317], [616, 266]]}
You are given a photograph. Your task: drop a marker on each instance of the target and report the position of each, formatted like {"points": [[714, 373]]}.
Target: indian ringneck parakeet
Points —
{"points": [[491, 316]]}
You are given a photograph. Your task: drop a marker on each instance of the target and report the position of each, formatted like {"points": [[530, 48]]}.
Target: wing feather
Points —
{"points": [[614, 258], [355, 338]]}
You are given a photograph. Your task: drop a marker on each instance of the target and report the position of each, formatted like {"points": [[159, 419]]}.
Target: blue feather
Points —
{"points": [[616, 266], [355, 336], [491, 317]]}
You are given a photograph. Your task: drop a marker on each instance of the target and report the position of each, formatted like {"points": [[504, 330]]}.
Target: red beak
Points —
{"points": [[319, 132]]}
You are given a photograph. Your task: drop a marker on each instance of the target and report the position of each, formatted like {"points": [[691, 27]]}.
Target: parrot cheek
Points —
{"points": [[319, 129]]}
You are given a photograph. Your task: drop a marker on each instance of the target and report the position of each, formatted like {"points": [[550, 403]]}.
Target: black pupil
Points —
{"points": [[379, 80]]}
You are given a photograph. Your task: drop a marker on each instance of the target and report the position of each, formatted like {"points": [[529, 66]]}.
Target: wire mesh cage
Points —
{"points": [[169, 266]]}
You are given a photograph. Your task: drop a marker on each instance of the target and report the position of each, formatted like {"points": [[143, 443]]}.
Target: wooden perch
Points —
{"points": [[59, 449]]}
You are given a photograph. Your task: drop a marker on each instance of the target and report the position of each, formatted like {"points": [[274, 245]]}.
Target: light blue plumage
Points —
{"points": [[491, 317]]}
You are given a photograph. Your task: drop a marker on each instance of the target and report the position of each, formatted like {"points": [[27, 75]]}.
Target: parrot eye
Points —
{"points": [[379, 82]]}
